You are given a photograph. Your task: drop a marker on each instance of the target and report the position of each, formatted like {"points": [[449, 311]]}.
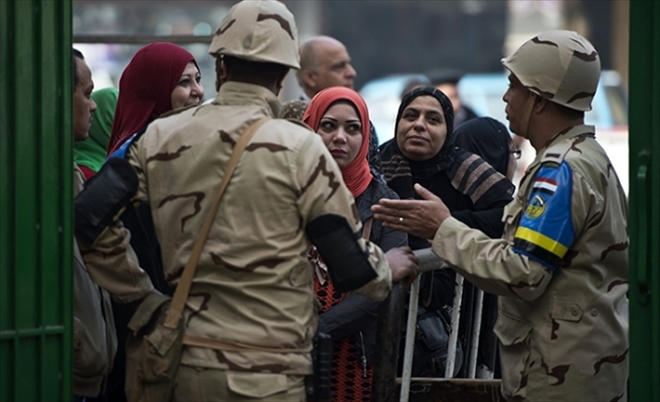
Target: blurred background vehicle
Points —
{"points": [[483, 93]]}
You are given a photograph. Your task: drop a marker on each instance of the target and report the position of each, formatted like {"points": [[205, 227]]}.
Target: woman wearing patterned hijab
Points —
{"points": [[422, 152], [339, 115]]}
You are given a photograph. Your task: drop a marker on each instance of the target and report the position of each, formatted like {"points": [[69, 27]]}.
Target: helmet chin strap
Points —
{"points": [[526, 115]]}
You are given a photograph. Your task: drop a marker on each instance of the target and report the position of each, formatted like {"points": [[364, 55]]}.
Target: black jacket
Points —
{"points": [[356, 315]]}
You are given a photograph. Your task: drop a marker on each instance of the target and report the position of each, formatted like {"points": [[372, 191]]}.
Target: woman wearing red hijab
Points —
{"points": [[160, 77], [339, 115]]}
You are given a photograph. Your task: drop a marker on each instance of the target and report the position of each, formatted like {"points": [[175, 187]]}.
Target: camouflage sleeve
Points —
{"points": [[490, 264], [546, 231], [136, 156], [111, 261], [321, 191]]}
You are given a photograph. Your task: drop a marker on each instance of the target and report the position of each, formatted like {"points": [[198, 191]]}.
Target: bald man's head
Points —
{"points": [[324, 62]]}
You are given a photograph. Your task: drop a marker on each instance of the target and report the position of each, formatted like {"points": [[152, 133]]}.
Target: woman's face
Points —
{"points": [[341, 131], [188, 91], [422, 129]]}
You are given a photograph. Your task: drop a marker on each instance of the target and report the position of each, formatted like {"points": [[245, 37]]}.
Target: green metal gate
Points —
{"points": [[644, 220], [35, 200]]}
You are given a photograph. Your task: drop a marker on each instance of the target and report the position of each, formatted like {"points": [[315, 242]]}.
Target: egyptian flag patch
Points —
{"points": [[545, 232], [545, 185]]}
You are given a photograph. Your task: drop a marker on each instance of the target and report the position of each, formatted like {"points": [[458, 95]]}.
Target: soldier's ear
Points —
{"points": [[540, 103], [221, 73]]}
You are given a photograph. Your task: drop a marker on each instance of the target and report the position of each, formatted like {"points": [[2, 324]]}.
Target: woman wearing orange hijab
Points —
{"points": [[339, 115]]}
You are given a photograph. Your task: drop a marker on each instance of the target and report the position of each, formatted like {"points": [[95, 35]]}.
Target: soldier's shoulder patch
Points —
{"points": [[545, 232]]}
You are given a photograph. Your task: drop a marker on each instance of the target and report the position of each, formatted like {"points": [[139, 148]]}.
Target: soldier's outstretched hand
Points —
{"points": [[421, 218], [403, 263]]}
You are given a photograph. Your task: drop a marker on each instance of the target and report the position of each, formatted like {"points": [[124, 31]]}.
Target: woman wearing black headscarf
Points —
{"points": [[491, 140], [422, 152]]}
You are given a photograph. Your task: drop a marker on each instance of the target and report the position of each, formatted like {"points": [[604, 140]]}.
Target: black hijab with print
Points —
{"points": [[487, 138], [463, 180]]}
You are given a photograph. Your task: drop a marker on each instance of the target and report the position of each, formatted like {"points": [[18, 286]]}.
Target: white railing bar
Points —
{"points": [[410, 339], [453, 336], [476, 329]]}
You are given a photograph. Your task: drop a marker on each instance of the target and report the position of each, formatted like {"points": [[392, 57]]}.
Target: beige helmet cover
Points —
{"points": [[263, 31], [561, 66]]}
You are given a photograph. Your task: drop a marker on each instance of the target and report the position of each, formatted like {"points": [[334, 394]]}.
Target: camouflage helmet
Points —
{"points": [[262, 31], [560, 66]]}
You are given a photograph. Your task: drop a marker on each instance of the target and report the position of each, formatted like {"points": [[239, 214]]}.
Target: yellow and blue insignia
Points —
{"points": [[535, 207], [545, 231]]}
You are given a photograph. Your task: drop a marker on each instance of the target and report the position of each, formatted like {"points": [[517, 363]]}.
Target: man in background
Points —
{"points": [[324, 62], [94, 337]]}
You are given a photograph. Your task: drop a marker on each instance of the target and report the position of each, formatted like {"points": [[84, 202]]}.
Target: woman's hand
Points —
{"points": [[421, 218], [403, 263]]}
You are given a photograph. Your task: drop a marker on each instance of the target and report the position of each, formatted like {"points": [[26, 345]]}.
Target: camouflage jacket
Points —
{"points": [[253, 283], [563, 328]]}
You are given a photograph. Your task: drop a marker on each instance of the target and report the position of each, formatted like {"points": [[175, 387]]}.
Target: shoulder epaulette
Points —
{"points": [[557, 152]]}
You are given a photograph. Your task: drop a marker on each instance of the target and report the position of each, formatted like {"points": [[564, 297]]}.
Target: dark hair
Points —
{"points": [[568, 112], [79, 55], [253, 72]]}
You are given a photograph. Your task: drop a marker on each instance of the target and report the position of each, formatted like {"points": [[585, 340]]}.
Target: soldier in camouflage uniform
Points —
{"points": [[562, 265], [253, 283]]}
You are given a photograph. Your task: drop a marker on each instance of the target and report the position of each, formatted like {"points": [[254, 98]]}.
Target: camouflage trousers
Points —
{"points": [[206, 384]]}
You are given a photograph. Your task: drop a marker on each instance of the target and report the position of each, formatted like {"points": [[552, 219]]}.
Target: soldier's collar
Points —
{"points": [[572, 132], [239, 93]]}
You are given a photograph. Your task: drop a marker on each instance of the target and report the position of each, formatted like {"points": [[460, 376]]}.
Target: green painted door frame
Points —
{"points": [[36, 200], [644, 219]]}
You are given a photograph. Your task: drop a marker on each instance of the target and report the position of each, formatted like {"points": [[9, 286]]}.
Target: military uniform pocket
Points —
{"points": [[515, 350], [566, 310], [256, 385]]}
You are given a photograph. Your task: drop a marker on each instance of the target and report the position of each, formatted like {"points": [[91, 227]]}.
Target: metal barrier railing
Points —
{"points": [[389, 333]]}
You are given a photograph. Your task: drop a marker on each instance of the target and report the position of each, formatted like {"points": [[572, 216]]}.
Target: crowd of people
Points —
{"points": [[318, 220]]}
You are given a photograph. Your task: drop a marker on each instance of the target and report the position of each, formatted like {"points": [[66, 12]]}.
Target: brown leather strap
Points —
{"points": [[216, 344], [183, 287], [366, 228]]}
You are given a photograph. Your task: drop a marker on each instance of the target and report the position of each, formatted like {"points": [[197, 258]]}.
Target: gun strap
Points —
{"points": [[217, 344], [183, 287]]}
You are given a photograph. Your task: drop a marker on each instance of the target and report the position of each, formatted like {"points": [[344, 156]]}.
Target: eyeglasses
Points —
{"points": [[516, 153]]}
